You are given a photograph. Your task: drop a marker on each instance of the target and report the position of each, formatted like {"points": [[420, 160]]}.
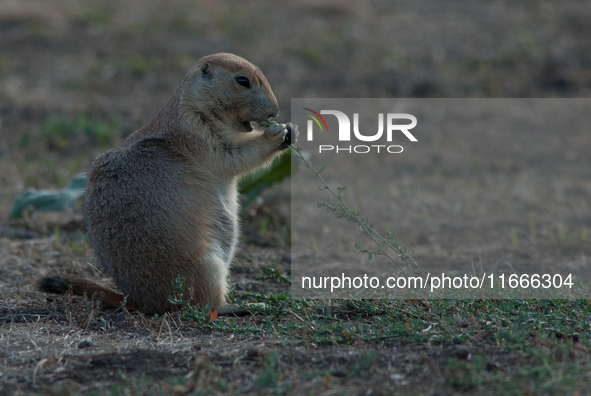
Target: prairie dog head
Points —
{"points": [[228, 92]]}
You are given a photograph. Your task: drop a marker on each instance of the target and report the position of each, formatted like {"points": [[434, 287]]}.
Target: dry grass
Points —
{"points": [[104, 68]]}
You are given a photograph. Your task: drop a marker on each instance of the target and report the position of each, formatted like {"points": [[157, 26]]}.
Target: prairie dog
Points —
{"points": [[164, 203]]}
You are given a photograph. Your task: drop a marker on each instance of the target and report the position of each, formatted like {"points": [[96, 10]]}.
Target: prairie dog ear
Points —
{"points": [[205, 69]]}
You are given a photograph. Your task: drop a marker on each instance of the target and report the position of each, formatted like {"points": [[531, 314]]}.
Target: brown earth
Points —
{"points": [[111, 66]]}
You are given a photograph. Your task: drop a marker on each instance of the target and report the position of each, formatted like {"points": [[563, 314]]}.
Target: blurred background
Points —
{"points": [[78, 76]]}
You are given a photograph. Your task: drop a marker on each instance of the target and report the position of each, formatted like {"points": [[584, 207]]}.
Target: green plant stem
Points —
{"points": [[343, 210]]}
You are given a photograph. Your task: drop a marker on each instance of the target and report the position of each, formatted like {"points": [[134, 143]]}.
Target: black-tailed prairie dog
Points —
{"points": [[163, 204]]}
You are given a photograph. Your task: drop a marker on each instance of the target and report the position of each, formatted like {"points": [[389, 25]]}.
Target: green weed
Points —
{"points": [[59, 130]]}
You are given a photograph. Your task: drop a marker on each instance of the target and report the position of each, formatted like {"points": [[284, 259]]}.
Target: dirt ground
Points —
{"points": [[77, 77]]}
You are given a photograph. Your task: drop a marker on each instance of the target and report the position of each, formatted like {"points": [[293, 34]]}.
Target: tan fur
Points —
{"points": [[164, 203]]}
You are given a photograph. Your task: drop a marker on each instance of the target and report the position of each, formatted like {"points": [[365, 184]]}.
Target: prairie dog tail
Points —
{"points": [[61, 284]]}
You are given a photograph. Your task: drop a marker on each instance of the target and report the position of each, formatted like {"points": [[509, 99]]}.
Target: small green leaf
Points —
{"points": [[50, 200], [357, 246], [321, 169], [252, 185]]}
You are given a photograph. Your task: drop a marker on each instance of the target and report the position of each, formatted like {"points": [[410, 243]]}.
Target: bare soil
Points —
{"points": [[115, 62]]}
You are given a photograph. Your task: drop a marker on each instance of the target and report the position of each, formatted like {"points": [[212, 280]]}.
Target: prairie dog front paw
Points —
{"points": [[292, 135], [276, 133]]}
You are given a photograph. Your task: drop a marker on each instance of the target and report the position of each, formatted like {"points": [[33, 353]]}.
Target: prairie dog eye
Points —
{"points": [[244, 81]]}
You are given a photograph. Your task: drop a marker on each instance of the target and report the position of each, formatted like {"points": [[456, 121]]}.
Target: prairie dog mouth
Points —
{"points": [[245, 126]]}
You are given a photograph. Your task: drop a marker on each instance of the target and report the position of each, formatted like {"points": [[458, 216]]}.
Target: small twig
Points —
{"points": [[37, 367], [160, 331], [296, 315], [169, 331], [98, 270]]}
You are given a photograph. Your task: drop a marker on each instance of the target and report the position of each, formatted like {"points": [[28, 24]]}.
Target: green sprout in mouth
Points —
{"points": [[267, 123]]}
